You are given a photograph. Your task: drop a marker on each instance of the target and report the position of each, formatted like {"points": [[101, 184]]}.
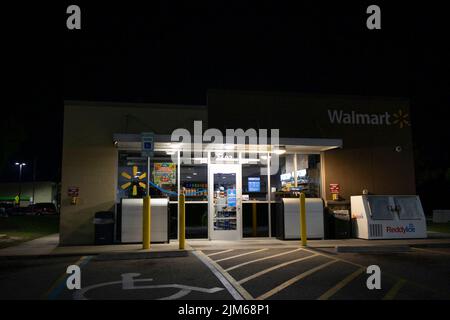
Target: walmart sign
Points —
{"points": [[375, 119]]}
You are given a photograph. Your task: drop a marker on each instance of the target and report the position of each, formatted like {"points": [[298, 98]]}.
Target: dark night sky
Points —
{"points": [[174, 51]]}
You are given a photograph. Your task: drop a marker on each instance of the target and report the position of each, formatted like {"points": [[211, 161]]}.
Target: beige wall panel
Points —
{"points": [[90, 158]]}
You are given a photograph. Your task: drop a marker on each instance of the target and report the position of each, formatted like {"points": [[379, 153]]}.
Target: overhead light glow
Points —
{"points": [[250, 160], [175, 145], [280, 151], [229, 146], [201, 160]]}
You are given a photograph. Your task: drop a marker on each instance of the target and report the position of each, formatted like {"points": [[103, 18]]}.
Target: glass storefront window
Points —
{"points": [[307, 175], [132, 183], [276, 177], [255, 222], [225, 201], [254, 184], [132, 175], [163, 176], [194, 181], [312, 176]]}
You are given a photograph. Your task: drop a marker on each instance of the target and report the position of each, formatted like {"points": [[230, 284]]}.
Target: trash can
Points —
{"points": [[104, 227], [342, 224], [339, 219]]}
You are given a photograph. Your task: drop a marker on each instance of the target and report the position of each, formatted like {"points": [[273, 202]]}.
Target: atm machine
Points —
{"points": [[388, 217]]}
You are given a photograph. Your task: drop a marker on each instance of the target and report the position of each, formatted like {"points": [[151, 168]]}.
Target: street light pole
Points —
{"points": [[20, 165]]}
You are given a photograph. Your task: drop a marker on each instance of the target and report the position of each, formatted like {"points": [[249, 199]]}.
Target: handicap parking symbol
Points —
{"points": [[129, 281]]}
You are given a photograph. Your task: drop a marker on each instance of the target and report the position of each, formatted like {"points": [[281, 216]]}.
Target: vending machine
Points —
{"points": [[388, 217]]}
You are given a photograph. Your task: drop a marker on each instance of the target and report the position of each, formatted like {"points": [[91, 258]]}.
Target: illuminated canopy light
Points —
{"points": [[280, 151]]}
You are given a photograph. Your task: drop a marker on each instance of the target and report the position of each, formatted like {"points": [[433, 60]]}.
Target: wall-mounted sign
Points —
{"points": [[231, 197], [334, 188], [164, 173], [73, 191], [147, 144], [399, 118], [223, 156]]}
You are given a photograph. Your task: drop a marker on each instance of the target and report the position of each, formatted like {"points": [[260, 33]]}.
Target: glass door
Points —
{"points": [[225, 202]]}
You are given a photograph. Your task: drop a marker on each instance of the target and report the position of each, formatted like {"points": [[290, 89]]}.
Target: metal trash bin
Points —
{"points": [[340, 221], [104, 227]]}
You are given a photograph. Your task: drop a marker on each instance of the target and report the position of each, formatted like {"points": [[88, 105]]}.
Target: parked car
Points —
{"points": [[18, 211], [7, 208], [3, 213], [44, 208]]}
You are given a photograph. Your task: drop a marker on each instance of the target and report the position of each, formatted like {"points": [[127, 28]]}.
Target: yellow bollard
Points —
{"points": [[182, 224], [146, 223], [303, 219], [254, 224]]}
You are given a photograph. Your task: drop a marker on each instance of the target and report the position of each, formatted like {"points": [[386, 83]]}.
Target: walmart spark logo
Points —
{"points": [[401, 119], [134, 180]]}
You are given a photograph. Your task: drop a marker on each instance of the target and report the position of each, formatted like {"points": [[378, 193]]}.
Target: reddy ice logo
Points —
{"points": [[402, 229]]}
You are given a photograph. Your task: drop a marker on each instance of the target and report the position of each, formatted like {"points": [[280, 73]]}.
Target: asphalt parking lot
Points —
{"points": [[275, 273], [297, 273], [167, 278]]}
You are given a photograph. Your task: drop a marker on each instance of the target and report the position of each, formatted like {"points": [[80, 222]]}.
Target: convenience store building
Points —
{"points": [[357, 143]]}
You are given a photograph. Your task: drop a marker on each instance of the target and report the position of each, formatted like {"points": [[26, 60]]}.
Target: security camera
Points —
{"points": [[398, 149]]}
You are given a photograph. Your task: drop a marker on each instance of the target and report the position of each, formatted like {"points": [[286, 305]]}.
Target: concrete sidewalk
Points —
{"points": [[37, 247], [48, 246], [275, 243]]}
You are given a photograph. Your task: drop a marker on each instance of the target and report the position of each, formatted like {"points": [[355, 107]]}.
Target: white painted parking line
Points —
{"points": [[281, 265], [61, 284], [341, 284], [220, 252], [236, 291], [411, 282], [327, 255], [290, 282], [241, 255], [261, 259]]}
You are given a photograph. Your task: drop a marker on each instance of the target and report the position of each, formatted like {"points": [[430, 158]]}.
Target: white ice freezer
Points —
{"points": [[388, 217]]}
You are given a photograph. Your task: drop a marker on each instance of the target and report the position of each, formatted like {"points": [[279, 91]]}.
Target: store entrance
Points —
{"points": [[225, 214]]}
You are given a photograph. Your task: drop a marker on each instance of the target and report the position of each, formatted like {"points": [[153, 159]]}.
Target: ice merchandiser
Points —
{"points": [[388, 217]]}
